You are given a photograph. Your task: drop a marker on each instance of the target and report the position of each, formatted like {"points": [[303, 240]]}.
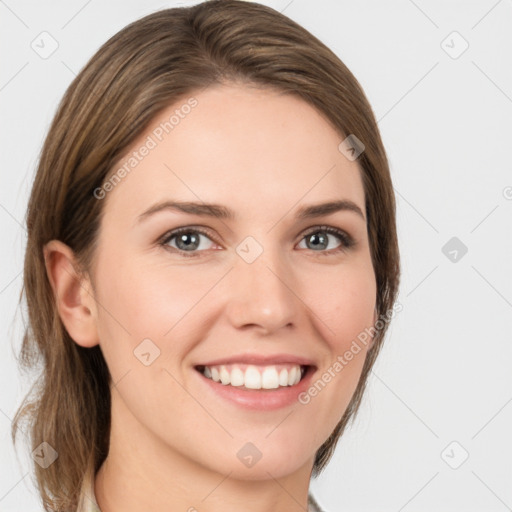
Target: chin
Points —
{"points": [[274, 465]]}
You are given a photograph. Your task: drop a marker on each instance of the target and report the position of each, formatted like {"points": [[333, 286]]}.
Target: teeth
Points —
{"points": [[255, 377], [291, 376], [237, 377], [252, 378], [269, 378], [225, 378]]}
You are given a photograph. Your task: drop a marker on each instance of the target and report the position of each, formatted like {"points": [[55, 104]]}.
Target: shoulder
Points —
{"points": [[87, 499], [313, 506]]}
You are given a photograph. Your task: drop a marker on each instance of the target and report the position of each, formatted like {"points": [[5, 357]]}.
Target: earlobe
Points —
{"points": [[72, 293]]}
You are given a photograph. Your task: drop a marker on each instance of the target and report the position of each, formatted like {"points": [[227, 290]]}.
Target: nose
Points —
{"points": [[263, 294]]}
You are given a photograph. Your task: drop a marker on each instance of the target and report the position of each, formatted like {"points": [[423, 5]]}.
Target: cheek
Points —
{"points": [[343, 301], [343, 304], [139, 301], [141, 332], [129, 302]]}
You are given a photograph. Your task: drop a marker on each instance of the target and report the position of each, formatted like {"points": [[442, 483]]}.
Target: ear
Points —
{"points": [[73, 293]]}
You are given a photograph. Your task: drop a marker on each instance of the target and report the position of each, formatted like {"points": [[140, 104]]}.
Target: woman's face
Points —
{"points": [[264, 281]]}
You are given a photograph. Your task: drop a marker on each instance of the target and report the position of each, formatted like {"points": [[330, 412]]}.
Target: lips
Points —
{"points": [[257, 371], [260, 360], [250, 396]]}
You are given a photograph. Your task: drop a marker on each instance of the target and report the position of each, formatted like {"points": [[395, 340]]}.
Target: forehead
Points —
{"points": [[246, 147]]}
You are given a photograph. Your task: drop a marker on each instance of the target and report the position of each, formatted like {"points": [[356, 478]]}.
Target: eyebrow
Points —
{"points": [[222, 212]]}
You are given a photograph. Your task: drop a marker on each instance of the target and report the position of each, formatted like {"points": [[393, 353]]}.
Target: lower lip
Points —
{"points": [[260, 399]]}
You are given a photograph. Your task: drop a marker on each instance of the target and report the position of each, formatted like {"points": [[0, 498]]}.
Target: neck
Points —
{"points": [[142, 472]]}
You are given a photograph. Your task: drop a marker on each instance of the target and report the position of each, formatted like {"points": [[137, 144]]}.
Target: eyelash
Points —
{"points": [[347, 242]]}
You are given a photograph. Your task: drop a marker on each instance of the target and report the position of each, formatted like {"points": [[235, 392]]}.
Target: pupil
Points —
{"points": [[182, 238], [318, 239]]}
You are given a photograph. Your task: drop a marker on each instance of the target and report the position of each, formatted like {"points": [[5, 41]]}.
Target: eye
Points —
{"points": [[187, 240], [317, 239]]}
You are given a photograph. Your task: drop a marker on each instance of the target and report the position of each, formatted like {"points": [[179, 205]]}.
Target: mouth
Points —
{"points": [[251, 377]]}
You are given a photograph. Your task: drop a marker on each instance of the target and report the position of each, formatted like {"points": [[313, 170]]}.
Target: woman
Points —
{"points": [[211, 267]]}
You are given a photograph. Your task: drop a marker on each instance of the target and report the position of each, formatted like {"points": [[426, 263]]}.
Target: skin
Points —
{"points": [[173, 443]]}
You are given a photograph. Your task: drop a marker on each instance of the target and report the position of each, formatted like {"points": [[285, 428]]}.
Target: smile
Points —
{"points": [[254, 376]]}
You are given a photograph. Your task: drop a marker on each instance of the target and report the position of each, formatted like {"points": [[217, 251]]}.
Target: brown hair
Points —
{"points": [[144, 68]]}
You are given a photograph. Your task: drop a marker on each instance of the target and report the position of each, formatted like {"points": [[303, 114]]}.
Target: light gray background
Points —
{"points": [[444, 375]]}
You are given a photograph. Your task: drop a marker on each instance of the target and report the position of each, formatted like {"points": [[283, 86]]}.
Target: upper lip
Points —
{"points": [[260, 359]]}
